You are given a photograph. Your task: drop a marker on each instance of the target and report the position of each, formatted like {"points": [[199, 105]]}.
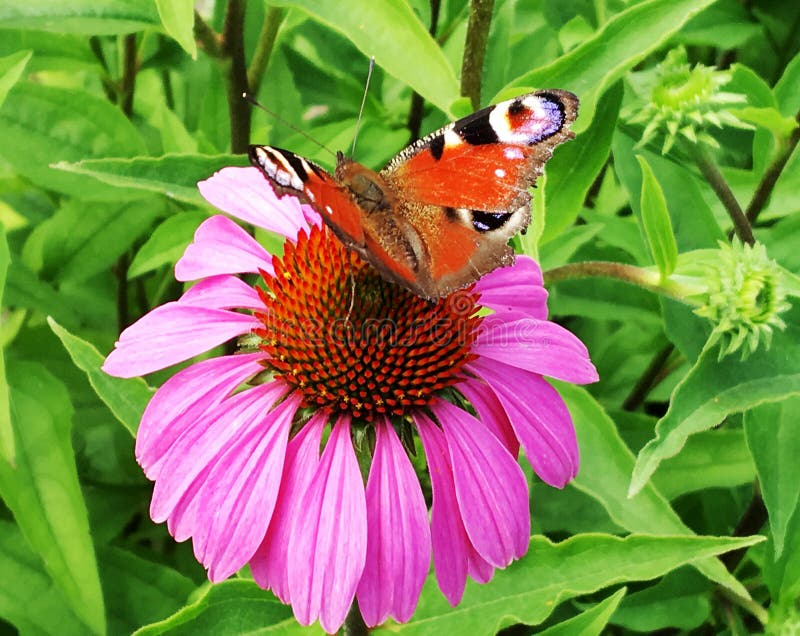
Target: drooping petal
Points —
{"points": [[539, 416], [184, 399], [490, 487], [240, 492], [517, 288], [398, 537], [227, 506], [450, 542], [328, 543], [540, 346], [222, 292], [194, 454], [247, 194], [269, 564], [490, 412], [170, 334], [221, 247]]}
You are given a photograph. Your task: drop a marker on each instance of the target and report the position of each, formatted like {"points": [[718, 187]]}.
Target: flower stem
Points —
{"points": [[235, 71], [208, 39], [128, 81], [717, 182], [415, 113], [770, 178], [354, 624], [747, 604], [648, 379], [266, 41], [480, 19], [621, 271], [751, 521]]}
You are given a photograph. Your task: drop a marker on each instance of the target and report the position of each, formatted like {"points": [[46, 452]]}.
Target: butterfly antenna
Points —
{"points": [[352, 293], [363, 103], [258, 104]]}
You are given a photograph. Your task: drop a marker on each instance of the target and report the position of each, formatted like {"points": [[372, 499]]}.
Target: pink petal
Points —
{"points": [[536, 345], [517, 288], [490, 487], [227, 480], [540, 419], [490, 412], [270, 562], [239, 494], [451, 545], [184, 399], [247, 194], [398, 538], [328, 545], [172, 333], [193, 455], [221, 247], [222, 292]]}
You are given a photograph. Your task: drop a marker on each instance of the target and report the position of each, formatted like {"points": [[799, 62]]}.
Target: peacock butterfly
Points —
{"points": [[440, 214]]}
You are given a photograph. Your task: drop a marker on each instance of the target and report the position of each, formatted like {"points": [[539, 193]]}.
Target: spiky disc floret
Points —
{"points": [[352, 342], [685, 101], [745, 299]]}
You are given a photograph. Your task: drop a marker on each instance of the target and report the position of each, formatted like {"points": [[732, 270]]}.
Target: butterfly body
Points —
{"points": [[440, 214]]}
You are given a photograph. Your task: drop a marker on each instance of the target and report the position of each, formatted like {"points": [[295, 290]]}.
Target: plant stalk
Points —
{"points": [[480, 19], [721, 188]]}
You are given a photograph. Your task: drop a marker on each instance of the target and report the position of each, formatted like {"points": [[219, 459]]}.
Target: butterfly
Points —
{"points": [[441, 213]]}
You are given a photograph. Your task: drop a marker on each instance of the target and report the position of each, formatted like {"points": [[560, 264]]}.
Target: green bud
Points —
{"points": [[683, 101], [744, 299]]}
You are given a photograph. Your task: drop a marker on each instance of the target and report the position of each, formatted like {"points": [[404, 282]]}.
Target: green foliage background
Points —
{"points": [[112, 110]]}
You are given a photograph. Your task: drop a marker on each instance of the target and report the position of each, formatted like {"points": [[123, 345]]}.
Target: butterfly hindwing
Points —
{"points": [[440, 214]]}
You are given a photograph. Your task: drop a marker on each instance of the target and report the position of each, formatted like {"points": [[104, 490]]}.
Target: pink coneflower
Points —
{"points": [[331, 351]]}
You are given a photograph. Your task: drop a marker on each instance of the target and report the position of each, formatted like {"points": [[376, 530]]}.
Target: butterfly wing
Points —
{"points": [[343, 202], [464, 188], [293, 175]]}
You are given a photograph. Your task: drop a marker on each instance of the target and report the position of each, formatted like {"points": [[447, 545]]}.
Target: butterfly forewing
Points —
{"points": [[442, 211]]}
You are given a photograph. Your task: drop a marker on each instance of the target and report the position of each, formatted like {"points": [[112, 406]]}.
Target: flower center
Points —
{"points": [[351, 341]]}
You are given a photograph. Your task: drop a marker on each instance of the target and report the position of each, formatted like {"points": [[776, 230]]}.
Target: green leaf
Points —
{"points": [[528, 590], [167, 243], [782, 575], [656, 223], [623, 42], [605, 473], [558, 252], [43, 492], [769, 118], [575, 166], [88, 17], [773, 437], [177, 16], [56, 124], [711, 459], [11, 68], [256, 610], [127, 399], [591, 622], [32, 603], [529, 241], [174, 136], [393, 33], [140, 592], [693, 222], [25, 289], [787, 89], [85, 238], [175, 176], [679, 600], [7, 451], [714, 389]]}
